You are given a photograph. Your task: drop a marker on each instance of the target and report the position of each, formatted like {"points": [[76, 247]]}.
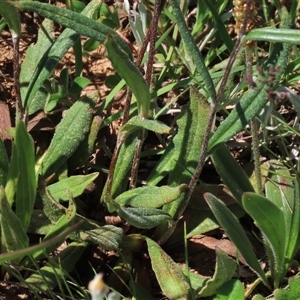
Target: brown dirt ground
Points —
{"points": [[96, 68]]}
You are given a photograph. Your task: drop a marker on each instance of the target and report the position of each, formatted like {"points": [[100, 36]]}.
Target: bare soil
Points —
{"points": [[97, 67]]}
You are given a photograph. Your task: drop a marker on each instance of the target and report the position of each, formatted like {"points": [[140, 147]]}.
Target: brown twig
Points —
{"points": [[16, 75], [151, 39]]}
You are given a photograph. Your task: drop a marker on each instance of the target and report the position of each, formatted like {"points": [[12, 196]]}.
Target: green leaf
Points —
{"points": [[136, 123], [65, 221], [39, 223], [220, 25], [188, 144], [86, 147], [45, 66], [270, 220], [78, 85], [144, 218], [130, 73], [280, 190], [193, 50], [181, 156], [33, 58], [235, 232], [69, 133], [254, 99], [13, 235], [290, 293], [90, 45], [27, 182], [228, 168], [13, 175], [225, 268], [107, 237], [169, 275], [275, 35], [74, 185], [78, 22], [294, 236], [123, 165], [151, 196], [11, 16], [231, 290], [196, 281]]}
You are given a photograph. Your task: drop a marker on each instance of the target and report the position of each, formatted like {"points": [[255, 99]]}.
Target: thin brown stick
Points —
{"points": [[151, 38], [16, 75]]}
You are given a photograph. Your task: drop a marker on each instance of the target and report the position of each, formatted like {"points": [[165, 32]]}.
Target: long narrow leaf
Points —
{"points": [[193, 50], [27, 182], [254, 99], [79, 23], [45, 66], [34, 54], [294, 239], [232, 174], [235, 232], [281, 35], [124, 65], [279, 189], [270, 220], [69, 133]]}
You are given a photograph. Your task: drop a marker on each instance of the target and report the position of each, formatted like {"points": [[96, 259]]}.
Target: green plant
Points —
{"points": [[48, 200]]}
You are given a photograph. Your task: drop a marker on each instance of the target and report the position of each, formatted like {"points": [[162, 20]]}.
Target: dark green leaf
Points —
{"points": [[130, 73], [107, 237], [232, 174], [235, 232], [150, 196], [144, 218]]}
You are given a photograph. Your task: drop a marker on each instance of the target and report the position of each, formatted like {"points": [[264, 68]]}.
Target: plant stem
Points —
{"points": [[151, 38], [20, 115]]}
